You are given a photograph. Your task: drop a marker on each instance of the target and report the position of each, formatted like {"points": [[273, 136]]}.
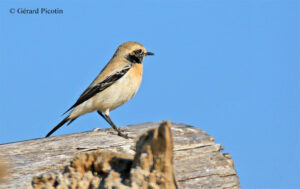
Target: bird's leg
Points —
{"points": [[108, 121], [111, 123], [116, 128]]}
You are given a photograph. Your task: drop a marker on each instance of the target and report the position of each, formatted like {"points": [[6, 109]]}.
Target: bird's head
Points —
{"points": [[134, 52]]}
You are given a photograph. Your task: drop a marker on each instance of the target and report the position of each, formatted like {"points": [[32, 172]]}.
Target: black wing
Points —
{"points": [[95, 89]]}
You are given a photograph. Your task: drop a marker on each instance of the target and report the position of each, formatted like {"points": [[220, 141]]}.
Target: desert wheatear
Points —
{"points": [[116, 84]]}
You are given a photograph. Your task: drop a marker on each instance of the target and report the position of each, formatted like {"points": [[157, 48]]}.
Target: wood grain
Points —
{"points": [[198, 160]]}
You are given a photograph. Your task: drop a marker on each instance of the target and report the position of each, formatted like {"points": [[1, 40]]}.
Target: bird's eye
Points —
{"points": [[140, 51]]}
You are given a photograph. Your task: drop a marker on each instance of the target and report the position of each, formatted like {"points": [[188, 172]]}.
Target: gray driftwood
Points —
{"points": [[198, 161], [150, 168]]}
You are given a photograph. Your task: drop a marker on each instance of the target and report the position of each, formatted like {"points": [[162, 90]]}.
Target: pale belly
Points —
{"points": [[114, 96], [117, 94]]}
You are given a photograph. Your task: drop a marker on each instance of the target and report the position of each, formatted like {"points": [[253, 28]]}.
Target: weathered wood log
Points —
{"points": [[152, 167], [198, 161]]}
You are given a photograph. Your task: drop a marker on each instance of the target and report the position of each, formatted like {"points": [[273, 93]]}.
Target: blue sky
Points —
{"points": [[231, 68]]}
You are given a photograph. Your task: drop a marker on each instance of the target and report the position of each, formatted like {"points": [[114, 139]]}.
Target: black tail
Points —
{"points": [[58, 126]]}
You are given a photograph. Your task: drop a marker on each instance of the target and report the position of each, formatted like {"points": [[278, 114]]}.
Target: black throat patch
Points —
{"points": [[136, 59]]}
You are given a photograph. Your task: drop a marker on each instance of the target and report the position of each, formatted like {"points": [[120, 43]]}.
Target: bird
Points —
{"points": [[115, 85]]}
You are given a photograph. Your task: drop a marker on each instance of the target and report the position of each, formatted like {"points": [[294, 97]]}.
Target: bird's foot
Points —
{"points": [[122, 133]]}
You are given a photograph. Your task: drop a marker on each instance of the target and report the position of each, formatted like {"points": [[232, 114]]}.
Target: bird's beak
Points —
{"points": [[149, 53]]}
